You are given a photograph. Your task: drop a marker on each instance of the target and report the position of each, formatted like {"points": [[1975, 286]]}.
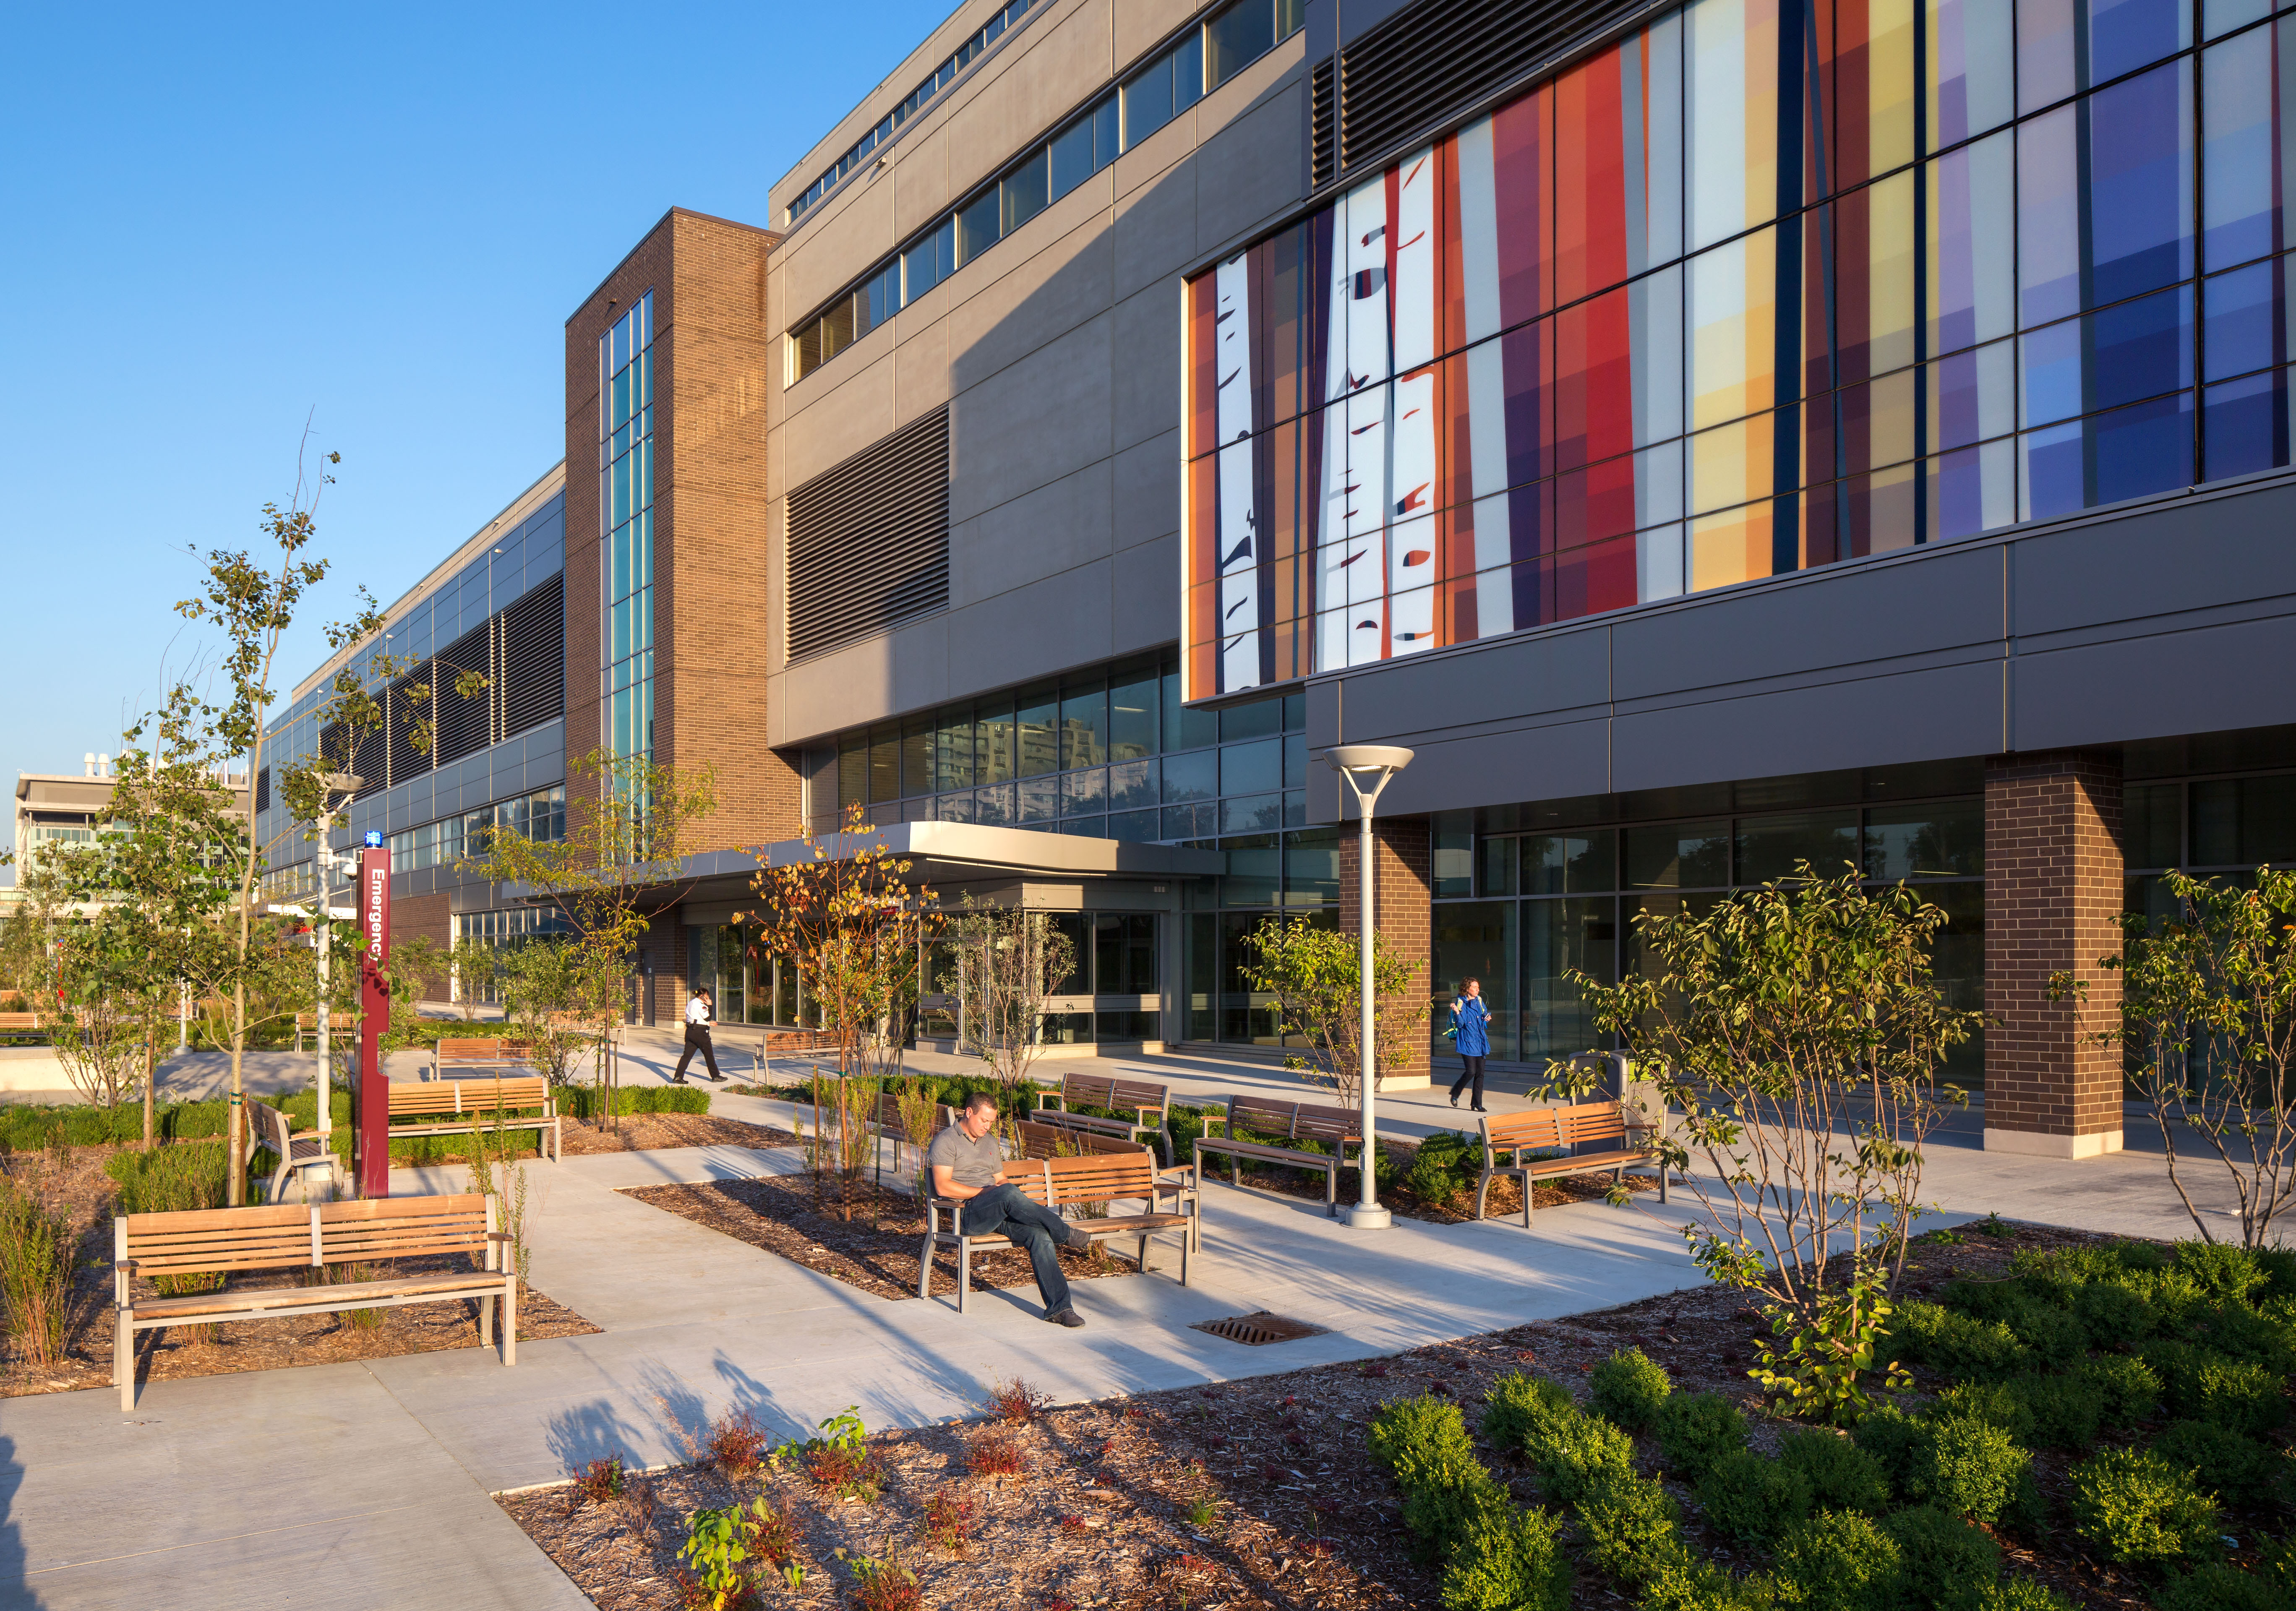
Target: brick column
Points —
{"points": [[2053, 900], [1403, 914]]}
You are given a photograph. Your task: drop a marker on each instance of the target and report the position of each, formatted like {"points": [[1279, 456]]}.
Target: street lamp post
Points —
{"points": [[1367, 768]]}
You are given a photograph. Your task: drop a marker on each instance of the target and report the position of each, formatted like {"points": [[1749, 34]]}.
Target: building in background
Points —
{"points": [[1713, 437]]}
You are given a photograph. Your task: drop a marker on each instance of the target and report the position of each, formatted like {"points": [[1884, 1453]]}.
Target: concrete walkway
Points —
{"points": [[368, 1484]]}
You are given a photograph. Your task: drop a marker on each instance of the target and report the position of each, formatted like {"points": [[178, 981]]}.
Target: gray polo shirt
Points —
{"points": [[969, 1163]]}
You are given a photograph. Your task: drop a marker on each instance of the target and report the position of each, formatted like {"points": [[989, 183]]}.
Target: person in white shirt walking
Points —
{"points": [[697, 1039]]}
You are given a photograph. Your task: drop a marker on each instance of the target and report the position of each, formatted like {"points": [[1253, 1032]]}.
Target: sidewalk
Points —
{"points": [[368, 1484]]}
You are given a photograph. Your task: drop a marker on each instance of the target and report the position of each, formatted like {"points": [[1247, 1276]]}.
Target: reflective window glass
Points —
{"points": [[1251, 768], [2153, 824], [1690, 856], [1772, 847], [1472, 939], [1926, 842], [1191, 777], [2244, 822]]}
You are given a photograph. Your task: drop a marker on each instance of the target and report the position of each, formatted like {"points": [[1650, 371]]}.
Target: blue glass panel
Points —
{"points": [[1251, 768], [2141, 348], [2125, 35], [1192, 777], [1253, 814], [2141, 186], [2220, 17], [1131, 784], [1136, 825], [2244, 330], [2240, 202], [2107, 457], [2244, 425]]}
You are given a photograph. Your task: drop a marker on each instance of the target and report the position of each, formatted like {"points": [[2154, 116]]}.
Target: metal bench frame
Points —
{"points": [[1062, 1182], [1517, 1134], [1256, 1113]]}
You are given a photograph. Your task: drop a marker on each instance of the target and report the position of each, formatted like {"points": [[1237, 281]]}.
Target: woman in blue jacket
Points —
{"points": [[1470, 1022]]}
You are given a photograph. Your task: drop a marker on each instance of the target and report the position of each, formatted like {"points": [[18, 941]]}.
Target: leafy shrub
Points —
{"points": [[2063, 1411], [1631, 1522], [2139, 1510], [1572, 1453], [2113, 1313], [1948, 1564], [1517, 1406], [1506, 1559], [2235, 1468], [949, 1521], [2260, 1339], [883, 1585], [997, 1455], [1407, 1433], [1955, 1344], [1445, 1165], [1837, 1561], [1015, 1401], [1423, 1442], [167, 1179], [600, 1480], [587, 1103], [2205, 1385], [2126, 1385], [2279, 1267], [736, 1444], [2217, 1587], [2225, 1273], [1894, 1439], [1837, 1474], [1696, 1429], [1750, 1498], [1968, 1467], [1629, 1388], [2002, 1404], [2023, 1594], [1681, 1581]]}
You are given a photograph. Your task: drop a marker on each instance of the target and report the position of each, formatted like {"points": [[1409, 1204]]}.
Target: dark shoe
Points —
{"points": [[1480, 1108], [677, 1079], [1066, 1317], [1454, 1099], [1079, 1240], [719, 1077]]}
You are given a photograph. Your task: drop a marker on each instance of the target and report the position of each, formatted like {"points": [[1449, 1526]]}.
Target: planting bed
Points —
{"points": [[650, 1132], [1263, 1492], [72, 1182], [874, 1249]]}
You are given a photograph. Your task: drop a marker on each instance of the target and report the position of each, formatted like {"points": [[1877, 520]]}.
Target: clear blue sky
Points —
{"points": [[221, 220]]}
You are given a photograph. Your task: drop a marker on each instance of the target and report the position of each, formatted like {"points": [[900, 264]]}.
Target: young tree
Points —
{"points": [[627, 837], [1796, 1033], [1316, 976], [845, 914], [2208, 1020], [1008, 960]]}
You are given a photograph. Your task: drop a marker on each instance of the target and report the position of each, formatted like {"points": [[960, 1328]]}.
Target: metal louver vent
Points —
{"points": [[370, 760], [402, 711], [1256, 1331], [533, 687], [463, 724], [868, 540], [1441, 55], [1323, 125], [263, 794]]}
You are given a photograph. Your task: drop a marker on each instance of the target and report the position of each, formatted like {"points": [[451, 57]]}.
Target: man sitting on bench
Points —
{"points": [[964, 1161]]}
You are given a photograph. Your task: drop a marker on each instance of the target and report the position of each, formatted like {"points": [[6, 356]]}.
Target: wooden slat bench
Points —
{"points": [[890, 1128], [451, 1057], [1139, 1098], [232, 1241], [1337, 1128], [465, 1107], [341, 1027], [1557, 1130], [1058, 1140], [1064, 1183], [297, 1149], [15, 1023]]}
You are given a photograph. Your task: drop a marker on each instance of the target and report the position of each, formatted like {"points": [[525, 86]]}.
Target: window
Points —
{"points": [[626, 513]]}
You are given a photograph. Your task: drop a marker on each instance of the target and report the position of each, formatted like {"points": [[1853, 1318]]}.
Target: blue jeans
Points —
{"points": [[1036, 1228]]}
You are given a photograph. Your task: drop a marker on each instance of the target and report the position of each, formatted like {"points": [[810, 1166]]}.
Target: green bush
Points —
{"points": [[1839, 1475], [1631, 1522], [1696, 1429], [2003, 1404], [1896, 1440], [2139, 1510], [1574, 1453], [1948, 1564], [2253, 1335], [1629, 1388], [2279, 1267], [2023, 1594], [168, 1180], [2203, 1384], [1506, 1559], [2126, 1386], [2217, 1587], [1838, 1561], [1968, 1467], [1750, 1498], [1444, 1165], [2235, 1469], [1423, 1442], [585, 1103], [1957, 1345], [2227, 1274], [2065, 1411], [28, 1126], [1408, 1432], [1517, 1407], [2114, 1315], [1681, 1581]]}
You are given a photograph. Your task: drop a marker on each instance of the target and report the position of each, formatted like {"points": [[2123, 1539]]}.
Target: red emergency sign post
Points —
{"points": [[370, 1158]]}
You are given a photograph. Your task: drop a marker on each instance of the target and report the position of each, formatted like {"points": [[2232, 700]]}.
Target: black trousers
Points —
{"points": [[1473, 1071], [697, 1039]]}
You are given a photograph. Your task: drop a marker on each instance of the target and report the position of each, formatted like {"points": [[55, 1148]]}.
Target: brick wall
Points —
{"points": [[1401, 912], [2053, 900], [713, 354]]}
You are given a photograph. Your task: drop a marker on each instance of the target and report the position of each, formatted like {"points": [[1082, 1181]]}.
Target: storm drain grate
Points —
{"points": [[1255, 1330]]}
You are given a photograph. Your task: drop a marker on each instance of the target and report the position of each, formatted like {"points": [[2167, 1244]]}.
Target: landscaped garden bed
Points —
{"points": [[1266, 1493]]}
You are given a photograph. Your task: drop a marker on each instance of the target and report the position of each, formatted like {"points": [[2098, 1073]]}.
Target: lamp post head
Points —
{"points": [[1367, 758], [341, 782]]}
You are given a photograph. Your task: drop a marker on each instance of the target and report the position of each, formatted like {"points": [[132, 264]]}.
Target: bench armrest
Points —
{"points": [[500, 1236], [1210, 1119], [125, 1266]]}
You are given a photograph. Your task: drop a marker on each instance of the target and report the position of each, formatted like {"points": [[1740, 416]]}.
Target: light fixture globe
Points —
{"points": [[1368, 757]]}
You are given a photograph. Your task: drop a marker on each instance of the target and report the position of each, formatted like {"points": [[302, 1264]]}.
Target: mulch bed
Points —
{"points": [[72, 1179], [876, 1248], [1504, 1201], [1250, 1495], [653, 1132]]}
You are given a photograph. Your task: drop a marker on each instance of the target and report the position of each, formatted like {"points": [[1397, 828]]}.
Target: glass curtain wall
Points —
{"points": [[1521, 913], [1758, 286], [750, 986], [626, 513]]}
